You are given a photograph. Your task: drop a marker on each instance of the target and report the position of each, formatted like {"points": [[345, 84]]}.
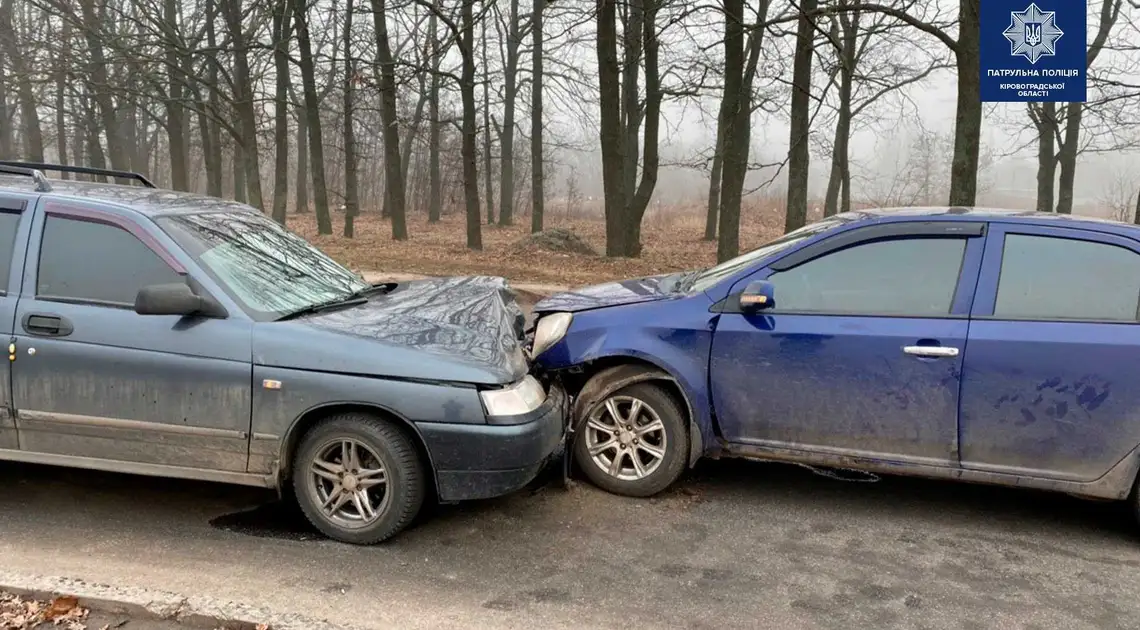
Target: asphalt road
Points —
{"points": [[738, 545]]}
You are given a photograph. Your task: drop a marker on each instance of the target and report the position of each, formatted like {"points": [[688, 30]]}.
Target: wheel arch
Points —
{"points": [[601, 377], [315, 415]]}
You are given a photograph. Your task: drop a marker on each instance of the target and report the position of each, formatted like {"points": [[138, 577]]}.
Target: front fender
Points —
{"points": [[674, 337]]}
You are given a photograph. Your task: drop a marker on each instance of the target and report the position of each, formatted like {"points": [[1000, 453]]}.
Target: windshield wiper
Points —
{"points": [[685, 280], [348, 300]]}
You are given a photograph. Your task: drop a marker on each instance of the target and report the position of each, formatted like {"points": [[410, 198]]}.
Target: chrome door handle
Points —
{"points": [[931, 351]]}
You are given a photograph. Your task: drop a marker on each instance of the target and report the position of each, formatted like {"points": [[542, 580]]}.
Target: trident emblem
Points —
{"points": [[1033, 33]]}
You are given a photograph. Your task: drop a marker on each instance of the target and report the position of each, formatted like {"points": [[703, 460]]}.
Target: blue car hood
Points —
{"points": [[467, 329], [630, 291]]}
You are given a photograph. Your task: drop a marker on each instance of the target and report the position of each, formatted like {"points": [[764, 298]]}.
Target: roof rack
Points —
{"points": [[83, 170], [42, 183]]}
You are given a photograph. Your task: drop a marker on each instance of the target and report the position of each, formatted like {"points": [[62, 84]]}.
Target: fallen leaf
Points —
{"points": [[61, 606]]}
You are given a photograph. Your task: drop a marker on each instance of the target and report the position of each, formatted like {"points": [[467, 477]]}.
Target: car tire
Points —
{"points": [[376, 496], [595, 449]]}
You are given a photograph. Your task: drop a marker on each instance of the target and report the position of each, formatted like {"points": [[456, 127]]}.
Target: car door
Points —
{"points": [[861, 354], [1049, 386], [13, 237], [94, 379]]}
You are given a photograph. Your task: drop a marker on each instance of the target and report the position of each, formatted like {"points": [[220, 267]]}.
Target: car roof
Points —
{"points": [[1004, 215], [147, 201]]}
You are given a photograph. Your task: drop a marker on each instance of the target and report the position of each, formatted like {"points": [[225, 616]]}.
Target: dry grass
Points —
{"points": [[671, 241]]}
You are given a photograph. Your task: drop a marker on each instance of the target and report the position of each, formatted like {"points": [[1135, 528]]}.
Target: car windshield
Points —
{"points": [[270, 270], [709, 277]]}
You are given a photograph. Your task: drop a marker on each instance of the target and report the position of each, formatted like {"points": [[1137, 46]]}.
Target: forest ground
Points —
{"points": [[671, 240]]}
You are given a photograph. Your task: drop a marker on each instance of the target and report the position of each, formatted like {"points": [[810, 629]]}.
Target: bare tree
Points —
{"points": [[351, 191], [622, 114]]}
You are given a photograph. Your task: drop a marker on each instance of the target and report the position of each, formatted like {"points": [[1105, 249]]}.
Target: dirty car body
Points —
{"points": [[970, 344], [170, 334]]}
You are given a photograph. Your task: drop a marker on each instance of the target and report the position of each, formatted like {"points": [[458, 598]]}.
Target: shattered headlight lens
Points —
{"points": [[514, 400], [549, 330]]}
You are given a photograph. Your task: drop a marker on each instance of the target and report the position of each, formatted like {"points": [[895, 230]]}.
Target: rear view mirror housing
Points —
{"points": [[757, 295], [176, 298]]}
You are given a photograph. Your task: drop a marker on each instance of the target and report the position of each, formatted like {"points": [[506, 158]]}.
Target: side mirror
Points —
{"points": [[175, 298], [758, 295]]}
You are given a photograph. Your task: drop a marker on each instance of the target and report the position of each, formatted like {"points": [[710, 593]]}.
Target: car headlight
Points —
{"points": [[549, 331], [514, 400]]}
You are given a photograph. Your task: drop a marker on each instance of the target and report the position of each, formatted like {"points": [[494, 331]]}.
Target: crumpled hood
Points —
{"points": [[629, 291], [463, 329]]}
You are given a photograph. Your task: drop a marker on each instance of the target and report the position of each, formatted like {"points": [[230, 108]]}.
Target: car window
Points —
{"points": [[89, 261], [900, 277], [1044, 277], [9, 223]]}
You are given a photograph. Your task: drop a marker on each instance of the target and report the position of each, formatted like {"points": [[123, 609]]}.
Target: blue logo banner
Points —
{"points": [[1033, 50]]}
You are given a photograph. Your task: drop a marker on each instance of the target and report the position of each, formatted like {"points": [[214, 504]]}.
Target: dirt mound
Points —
{"points": [[558, 240]]}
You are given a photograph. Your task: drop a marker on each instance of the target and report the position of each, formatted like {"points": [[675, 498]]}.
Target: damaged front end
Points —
{"points": [[558, 470]]}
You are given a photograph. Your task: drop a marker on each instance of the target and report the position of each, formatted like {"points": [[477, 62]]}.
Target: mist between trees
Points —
{"points": [[492, 107]]}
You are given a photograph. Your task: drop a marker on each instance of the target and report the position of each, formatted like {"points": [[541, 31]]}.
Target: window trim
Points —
{"points": [[89, 215], [926, 230], [1065, 234], [132, 227], [9, 205], [883, 231]]}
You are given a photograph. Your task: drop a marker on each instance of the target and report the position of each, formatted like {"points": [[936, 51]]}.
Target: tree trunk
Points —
{"points": [[7, 133], [241, 188], [488, 178], [840, 173], [95, 155], [97, 70], [175, 113], [211, 135], [633, 45], [304, 174], [313, 119], [968, 117], [32, 134], [409, 140], [243, 103], [62, 77], [799, 151], [281, 29], [435, 185], [738, 125], [1044, 117], [1067, 157], [610, 126], [730, 137], [1136, 215], [507, 142], [351, 192], [651, 115], [712, 208], [394, 196], [469, 152], [537, 191]]}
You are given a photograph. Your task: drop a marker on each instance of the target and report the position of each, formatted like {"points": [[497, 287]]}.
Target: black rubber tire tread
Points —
{"points": [[406, 478], [676, 453]]}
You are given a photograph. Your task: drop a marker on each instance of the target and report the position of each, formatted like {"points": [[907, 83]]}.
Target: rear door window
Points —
{"points": [[1056, 278]]}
